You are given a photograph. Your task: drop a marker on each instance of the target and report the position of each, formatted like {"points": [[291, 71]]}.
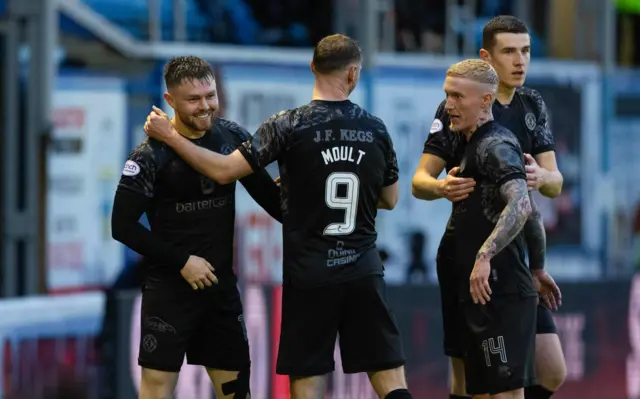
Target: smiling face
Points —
{"points": [[195, 102]]}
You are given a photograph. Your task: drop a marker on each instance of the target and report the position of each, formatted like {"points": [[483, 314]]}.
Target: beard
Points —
{"points": [[197, 124]]}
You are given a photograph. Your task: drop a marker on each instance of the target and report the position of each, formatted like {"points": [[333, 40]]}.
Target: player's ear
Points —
{"points": [[487, 99], [352, 74], [313, 67], [484, 54], [169, 99]]}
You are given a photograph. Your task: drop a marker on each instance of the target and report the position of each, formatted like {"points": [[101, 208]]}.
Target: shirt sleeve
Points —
{"points": [[134, 196], [139, 172], [439, 142], [391, 173], [269, 142], [265, 192], [502, 160], [543, 140]]}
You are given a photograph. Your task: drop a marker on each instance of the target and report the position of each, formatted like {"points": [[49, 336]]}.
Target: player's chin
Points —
{"points": [[202, 124], [454, 124], [517, 80]]}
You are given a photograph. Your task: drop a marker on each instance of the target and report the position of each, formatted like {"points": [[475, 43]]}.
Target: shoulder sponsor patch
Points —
{"points": [[130, 168], [436, 126]]}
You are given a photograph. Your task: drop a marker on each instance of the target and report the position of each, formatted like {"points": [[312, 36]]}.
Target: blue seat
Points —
{"points": [[133, 17]]}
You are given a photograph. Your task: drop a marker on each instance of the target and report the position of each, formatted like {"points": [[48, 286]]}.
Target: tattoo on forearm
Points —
{"points": [[512, 219], [536, 238]]}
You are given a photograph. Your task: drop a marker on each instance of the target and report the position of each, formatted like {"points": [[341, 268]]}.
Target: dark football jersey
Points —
{"points": [[526, 117], [186, 210], [334, 159], [492, 157]]}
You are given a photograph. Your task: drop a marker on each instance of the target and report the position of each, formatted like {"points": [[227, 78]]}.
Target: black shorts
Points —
{"points": [[452, 321], [357, 311], [500, 339], [206, 325], [545, 323]]}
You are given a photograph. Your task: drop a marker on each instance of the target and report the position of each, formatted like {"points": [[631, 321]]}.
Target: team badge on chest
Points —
{"points": [[530, 121]]}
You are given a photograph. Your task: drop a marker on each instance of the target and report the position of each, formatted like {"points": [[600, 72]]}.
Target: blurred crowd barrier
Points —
{"points": [[86, 346], [593, 226]]}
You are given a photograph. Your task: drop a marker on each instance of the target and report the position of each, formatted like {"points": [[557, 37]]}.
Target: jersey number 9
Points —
{"points": [[348, 202]]}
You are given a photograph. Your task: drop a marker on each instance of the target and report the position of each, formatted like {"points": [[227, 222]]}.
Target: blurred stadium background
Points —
{"points": [[79, 77]]}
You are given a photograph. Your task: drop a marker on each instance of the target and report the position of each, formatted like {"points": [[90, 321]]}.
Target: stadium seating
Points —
{"points": [[133, 17]]}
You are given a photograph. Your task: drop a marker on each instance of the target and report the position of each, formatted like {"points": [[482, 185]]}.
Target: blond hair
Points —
{"points": [[476, 70]]}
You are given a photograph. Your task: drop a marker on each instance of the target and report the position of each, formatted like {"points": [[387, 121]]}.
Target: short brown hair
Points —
{"points": [[501, 24], [189, 68], [334, 53]]}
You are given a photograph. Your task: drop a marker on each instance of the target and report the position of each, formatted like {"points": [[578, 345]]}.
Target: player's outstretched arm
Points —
{"points": [[425, 184], [543, 174], [389, 197], [224, 169], [542, 168], [265, 192], [512, 219]]}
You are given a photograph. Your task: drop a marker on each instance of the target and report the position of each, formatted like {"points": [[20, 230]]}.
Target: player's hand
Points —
{"points": [[277, 181], [457, 188], [479, 282], [536, 175], [548, 290], [158, 125], [198, 273]]}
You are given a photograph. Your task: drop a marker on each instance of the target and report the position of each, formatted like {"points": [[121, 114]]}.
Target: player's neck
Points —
{"points": [[505, 94], [486, 117], [185, 130], [329, 90]]}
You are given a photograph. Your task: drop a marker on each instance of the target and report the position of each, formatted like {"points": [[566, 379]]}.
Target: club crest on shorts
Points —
{"points": [[436, 126], [130, 168], [530, 121], [149, 343]]}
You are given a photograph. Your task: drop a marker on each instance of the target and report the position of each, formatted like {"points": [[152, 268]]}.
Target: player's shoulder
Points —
{"points": [[235, 130], [150, 154], [500, 134], [375, 123], [532, 97], [149, 148], [285, 119]]}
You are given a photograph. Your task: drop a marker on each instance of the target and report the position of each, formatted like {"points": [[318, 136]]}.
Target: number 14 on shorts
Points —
{"points": [[495, 346]]}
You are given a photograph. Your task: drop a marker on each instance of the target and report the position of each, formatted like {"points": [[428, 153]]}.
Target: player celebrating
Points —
{"points": [[337, 167], [506, 45], [192, 226], [499, 315]]}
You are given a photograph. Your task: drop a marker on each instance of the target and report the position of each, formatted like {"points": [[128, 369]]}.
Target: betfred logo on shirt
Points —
{"points": [[130, 169]]}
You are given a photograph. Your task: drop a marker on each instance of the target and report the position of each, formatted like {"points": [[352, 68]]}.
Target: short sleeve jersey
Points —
{"points": [[188, 210], [334, 159], [526, 117], [492, 158]]}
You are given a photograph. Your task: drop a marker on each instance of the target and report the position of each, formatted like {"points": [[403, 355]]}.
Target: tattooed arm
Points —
{"points": [[512, 219], [536, 238]]}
